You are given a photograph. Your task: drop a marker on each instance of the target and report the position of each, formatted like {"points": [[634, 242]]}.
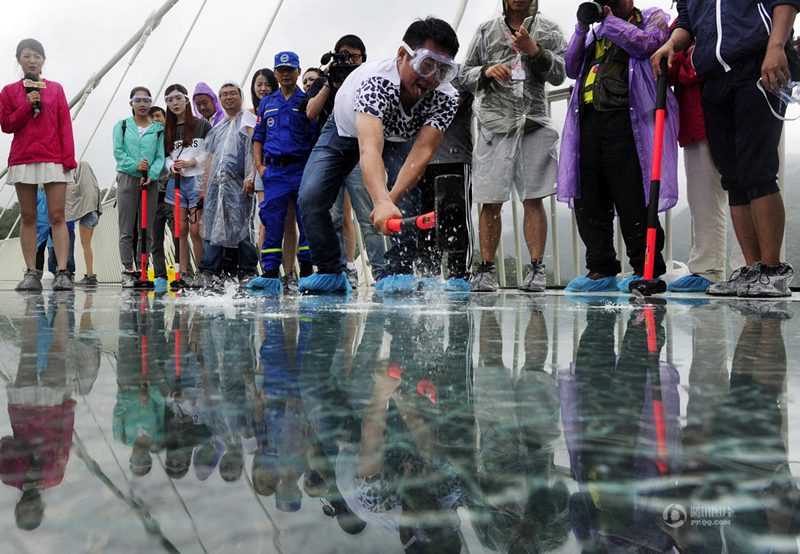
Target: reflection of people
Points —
{"points": [[41, 410], [138, 419], [621, 424], [518, 421], [42, 151], [280, 425], [186, 403], [743, 460]]}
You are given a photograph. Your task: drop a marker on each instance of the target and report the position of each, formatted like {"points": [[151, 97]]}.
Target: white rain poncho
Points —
{"points": [[519, 105], [227, 208]]}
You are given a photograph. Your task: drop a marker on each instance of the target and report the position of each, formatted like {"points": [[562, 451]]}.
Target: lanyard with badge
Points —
{"points": [[518, 66]]}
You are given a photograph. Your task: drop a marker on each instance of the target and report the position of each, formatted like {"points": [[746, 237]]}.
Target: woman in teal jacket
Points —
{"points": [[139, 151]]}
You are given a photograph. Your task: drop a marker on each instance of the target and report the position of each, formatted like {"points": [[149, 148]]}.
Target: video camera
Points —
{"points": [[341, 66], [592, 12]]}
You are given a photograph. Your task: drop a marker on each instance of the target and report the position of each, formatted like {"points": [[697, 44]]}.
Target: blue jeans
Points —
{"points": [[362, 204], [240, 261], [331, 161]]}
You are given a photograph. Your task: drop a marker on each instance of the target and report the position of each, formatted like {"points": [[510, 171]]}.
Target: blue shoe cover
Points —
{"points": [[324, 282], [399, 284], [161, 285], [270, 285], [430, 284], [689, 283], [584, 284], [456, 285]]}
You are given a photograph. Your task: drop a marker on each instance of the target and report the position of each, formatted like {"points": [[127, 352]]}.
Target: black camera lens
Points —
{"points": [[590, 12]]}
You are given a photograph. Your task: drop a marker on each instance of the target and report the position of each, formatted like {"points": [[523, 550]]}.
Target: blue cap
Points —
{"points": [[286, 59]]}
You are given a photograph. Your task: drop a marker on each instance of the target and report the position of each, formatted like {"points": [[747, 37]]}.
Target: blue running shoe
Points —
{"points": [[269, 285], [585, 283], [161, 285], [320, 283], [399, 284], [689, 283], [430, 284], [454, 284]]}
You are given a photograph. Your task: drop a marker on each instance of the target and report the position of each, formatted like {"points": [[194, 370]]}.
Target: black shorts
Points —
{"points": [[743, 135]]}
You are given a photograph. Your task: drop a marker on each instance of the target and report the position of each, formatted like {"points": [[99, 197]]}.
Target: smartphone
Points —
{"points": [[527, 22]]}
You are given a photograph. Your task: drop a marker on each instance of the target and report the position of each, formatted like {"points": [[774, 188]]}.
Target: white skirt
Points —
{"points": [[39, 173]]}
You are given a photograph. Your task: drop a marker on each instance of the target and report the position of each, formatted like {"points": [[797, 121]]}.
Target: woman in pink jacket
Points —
{"points": [[42, 153]]}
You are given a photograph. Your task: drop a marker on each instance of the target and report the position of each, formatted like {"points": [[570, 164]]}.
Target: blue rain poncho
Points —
{"points": [[227, 208]]}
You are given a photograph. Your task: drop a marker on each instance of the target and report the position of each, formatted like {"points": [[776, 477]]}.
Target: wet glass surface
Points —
{"points": [[435, 423]]}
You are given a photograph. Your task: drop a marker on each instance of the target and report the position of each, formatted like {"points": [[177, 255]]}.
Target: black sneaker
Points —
{"points": [[87, 281], [129, 279], [771, 282], [289, 282], [484, 279], [742, 276], [63, 280], [32, 281]]}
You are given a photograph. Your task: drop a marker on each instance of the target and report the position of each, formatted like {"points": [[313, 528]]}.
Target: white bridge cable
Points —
{"points": [[145, 35], [462, 7], [261, 42], [180, 50]]}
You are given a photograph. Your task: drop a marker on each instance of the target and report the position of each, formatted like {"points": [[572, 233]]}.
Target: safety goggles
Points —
{"points": [[141, 100], [427, 62], [175, 97]]}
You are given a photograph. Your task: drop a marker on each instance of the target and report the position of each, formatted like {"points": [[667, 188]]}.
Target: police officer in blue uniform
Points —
{"points": [[282, 141]]}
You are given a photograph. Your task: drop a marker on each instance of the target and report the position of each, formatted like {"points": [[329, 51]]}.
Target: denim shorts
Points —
{"points": [[89, 220], [189, 192]]}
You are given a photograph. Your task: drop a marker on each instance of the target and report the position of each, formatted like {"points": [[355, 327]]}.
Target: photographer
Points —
{"points": [[607, 146], [734, 47], [348, 53]]}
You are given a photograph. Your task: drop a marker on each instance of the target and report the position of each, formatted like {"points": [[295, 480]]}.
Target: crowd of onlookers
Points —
{"points": [[388, 140]]}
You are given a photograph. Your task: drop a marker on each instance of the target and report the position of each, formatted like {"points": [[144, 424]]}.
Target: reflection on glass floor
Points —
{"points": [[434, 423]]}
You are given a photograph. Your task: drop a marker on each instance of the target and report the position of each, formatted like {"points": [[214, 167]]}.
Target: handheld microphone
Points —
{"points": [[32, 84]]}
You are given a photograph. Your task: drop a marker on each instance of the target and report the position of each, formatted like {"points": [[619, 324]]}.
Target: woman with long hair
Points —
{"points": [[139, 152], [35, 111], [186, 156]]}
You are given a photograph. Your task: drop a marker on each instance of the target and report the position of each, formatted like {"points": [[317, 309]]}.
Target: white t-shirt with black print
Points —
{"points": [[374, 89]]}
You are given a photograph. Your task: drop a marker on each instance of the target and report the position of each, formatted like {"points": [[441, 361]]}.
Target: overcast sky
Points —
{"points": [[79, 36]]}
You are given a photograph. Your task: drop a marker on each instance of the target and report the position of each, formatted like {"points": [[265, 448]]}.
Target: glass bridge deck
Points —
{"points": [[435, 423]]}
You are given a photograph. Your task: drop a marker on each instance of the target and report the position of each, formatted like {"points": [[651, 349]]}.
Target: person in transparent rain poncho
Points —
{"points": [[228, 249], [509, 63]]}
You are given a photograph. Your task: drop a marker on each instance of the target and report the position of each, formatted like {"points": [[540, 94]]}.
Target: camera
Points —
{"points": [[592, 12], [341, 67]]}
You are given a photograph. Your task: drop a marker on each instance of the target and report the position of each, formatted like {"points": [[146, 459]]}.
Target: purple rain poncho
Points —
{"points": [[203, 88], [640, 44]]}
